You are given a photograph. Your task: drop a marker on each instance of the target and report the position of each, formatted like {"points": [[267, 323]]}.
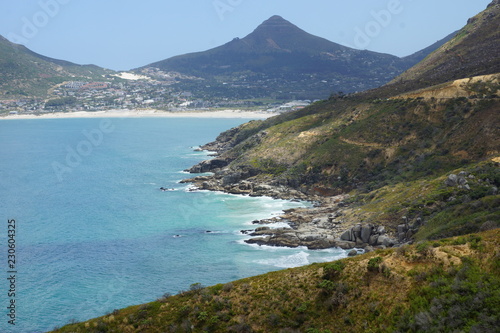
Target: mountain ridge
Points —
{"points": [[27, 73], [468, 53], [277, 53]]}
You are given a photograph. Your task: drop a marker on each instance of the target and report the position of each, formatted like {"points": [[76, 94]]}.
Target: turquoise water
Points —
{"points": [[93, 231]]}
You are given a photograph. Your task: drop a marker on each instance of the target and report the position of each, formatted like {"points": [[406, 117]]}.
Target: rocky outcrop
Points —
{"points": [[367, 235], [319, 227], [237, 182], [459, 180], [209, 165]]}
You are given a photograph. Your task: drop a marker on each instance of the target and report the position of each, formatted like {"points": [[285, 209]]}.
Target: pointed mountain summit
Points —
{"points": [[278, 34], [279, 58]]}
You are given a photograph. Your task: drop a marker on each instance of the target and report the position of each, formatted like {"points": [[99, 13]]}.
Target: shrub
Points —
{"points": [[402, 250], [228, 287], [196, 287], [374, 264], [454, 301], [202, 316], [333, 270], [424, 249]]}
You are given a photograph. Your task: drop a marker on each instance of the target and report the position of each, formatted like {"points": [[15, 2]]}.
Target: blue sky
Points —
{"points": [[125, 34]]}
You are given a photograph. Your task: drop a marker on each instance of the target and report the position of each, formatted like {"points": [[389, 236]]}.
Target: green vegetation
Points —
{"points": [[446, 286], [458, 298], [60, 102], [366, 144], [28, 74], [443, 210]]}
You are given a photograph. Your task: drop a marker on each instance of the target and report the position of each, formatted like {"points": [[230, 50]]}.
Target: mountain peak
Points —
{"points": [[276, 23], [275, 19]]}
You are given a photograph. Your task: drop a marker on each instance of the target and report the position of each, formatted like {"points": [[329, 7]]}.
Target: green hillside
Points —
{"points": [[25, 73], [473, 51], [450, 285], [361, 143], [368, 140]]}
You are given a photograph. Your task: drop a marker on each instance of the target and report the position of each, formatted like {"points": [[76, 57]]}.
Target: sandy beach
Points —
{"points": [[148, 114]]}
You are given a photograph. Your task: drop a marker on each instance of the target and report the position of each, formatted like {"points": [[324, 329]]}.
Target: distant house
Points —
{"points": [[95, 85], [74, 85], [13, 112]]}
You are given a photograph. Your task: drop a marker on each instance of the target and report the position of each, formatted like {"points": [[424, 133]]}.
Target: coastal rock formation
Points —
{"points": [[318, 227], [368, 234], [209, 165]]}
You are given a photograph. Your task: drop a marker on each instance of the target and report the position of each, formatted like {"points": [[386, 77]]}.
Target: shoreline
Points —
{"points": [[224, 114], [319, 227]]}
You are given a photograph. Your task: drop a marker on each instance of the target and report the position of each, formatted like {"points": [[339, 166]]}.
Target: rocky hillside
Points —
{"points": [[350, 153], [472, 52], [450, 285], [25, 73]]}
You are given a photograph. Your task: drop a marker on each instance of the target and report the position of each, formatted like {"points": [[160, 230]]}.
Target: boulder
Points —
{"points": [[246, 186], [258, 240], [284, 241], [366, 232], [369, 249], [263, 188], [356, 231], [347, 236], [385, 241], [352, 253], [209, 165], [452, 180], [345, 245], [462, 181], [402, 228], [373, 240], [231, 179], [320, 244], [389, 242]]}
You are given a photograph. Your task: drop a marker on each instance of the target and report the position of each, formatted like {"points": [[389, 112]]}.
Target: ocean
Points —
{"points": [[93, 231]]}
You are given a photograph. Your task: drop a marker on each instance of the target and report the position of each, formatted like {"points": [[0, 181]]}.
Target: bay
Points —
{"points": [[93, 231]]}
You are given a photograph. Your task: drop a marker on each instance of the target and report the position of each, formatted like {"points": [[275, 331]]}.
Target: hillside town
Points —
{"points": [[126, 91]]}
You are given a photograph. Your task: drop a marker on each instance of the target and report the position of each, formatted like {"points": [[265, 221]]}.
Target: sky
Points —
{"points": [[126, 34]]}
